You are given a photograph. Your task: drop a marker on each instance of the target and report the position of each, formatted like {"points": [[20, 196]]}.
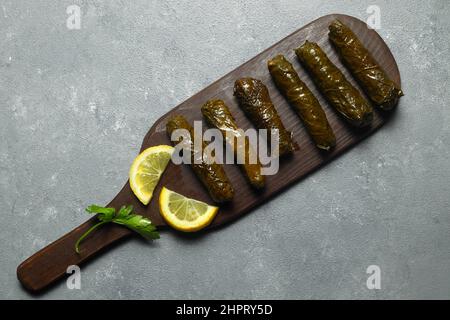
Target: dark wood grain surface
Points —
{"points": [[50, 263]]}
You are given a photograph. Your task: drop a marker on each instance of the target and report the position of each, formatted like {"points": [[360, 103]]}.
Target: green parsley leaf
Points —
{"points": [[136, 222], [104, 214], [125, 217]]}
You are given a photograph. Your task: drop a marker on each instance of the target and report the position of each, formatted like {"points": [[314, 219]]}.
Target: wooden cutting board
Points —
{"points": [[50, 263]]}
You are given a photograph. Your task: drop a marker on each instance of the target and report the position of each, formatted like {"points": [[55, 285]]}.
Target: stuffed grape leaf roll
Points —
{"points": [[218, 115], [340, 93], [212, 175], [303, 101], [381, 90], [254, 100]]}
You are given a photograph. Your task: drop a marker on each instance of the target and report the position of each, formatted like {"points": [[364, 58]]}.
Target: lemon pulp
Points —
{"points": [[183, 213], [147, 169]]}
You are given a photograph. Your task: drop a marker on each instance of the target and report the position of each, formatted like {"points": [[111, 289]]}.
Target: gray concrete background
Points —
{"points": [[75, 105]]}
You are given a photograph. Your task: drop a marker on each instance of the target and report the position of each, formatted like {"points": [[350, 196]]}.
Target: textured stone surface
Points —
{"points": [[75, 105]]}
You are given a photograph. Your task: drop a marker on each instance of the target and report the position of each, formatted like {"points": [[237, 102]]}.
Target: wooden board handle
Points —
{"points": [[50, 264]]}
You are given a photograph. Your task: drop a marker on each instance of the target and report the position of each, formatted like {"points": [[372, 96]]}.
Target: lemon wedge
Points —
{"points": [[147, 169], [185, 214]]}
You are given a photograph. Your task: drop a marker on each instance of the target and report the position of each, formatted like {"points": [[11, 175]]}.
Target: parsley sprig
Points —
{"points": [[124, 217]]}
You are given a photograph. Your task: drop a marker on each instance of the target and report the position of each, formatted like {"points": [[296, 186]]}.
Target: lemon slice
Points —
{"points": [[146, 170], [185, 214]]}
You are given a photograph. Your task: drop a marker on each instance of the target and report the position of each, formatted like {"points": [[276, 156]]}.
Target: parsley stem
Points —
{"points": [[77, 244]]}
